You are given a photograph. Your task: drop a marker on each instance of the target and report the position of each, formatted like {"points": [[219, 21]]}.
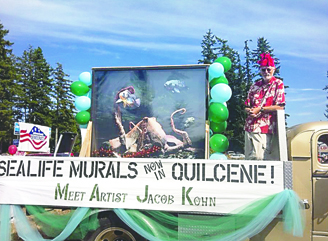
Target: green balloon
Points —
{"points": [[219, 80], [218, 127], [219, 143], [79, 88], [82, 117], [225, 61], [218, 112]]}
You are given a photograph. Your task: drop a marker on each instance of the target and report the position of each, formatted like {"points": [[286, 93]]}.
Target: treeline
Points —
{"points": [[32, 91], [244, 71]]}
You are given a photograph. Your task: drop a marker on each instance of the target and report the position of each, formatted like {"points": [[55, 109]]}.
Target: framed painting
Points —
{"points": [[157, 111]]}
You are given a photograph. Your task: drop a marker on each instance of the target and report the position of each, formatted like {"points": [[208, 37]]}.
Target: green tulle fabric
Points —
{"points": [[247, 222], [162, 226], [52, 223]]}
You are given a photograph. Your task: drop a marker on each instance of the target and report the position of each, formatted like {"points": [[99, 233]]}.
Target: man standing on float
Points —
{"points": [[265, 97]]}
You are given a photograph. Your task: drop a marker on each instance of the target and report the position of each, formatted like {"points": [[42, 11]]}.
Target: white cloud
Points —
{"points": [[303, 113], [297, 99], [300, 90], [315, 104]]}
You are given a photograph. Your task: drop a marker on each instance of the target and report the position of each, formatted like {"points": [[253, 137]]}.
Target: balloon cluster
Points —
{"points": [[218, 113], [82, 90]]}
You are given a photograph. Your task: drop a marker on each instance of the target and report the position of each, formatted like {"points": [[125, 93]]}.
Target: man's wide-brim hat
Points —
{"points": [[266, 60]]}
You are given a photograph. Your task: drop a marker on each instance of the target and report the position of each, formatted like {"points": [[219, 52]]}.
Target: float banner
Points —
{"points": [[216, 186], [33, 138]]}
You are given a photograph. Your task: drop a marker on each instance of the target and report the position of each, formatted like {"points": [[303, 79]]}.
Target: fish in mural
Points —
{"points": [[175, 86], [189, 121], [127, 98]]}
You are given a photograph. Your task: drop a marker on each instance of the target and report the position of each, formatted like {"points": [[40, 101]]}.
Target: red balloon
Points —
{"points": [[12, 149]]}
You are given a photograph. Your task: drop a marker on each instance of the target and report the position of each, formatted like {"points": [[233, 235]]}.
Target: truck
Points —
{"points": [[303, 152], [307, 153]]}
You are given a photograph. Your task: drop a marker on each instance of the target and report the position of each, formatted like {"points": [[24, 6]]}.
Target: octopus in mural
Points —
{"points": [[148, 134]]}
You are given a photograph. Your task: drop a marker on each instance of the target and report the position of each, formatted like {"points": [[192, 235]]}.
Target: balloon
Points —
{"points": [[82, 117], [218, 112], [85, 77], [219, 143], [221, 79], [212, 101], [218, 156], [215, 70], [12, 149], [225, 61], [82, 103], [79, 88], [218, 127], [221, 93], [84, 126]]}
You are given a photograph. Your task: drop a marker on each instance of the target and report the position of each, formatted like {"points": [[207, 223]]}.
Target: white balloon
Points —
{"points": [[85, 77], [221, 93], [82, 103], [215, 70], [218, 156]]}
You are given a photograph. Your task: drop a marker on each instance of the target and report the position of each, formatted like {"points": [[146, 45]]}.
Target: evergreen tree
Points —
{"points": [[263, 46], [24, 69], [248, 71], [235, 128], [35, 77], [43, 70], [8, 89], [62, 114], [212, 48], [208, 49]]}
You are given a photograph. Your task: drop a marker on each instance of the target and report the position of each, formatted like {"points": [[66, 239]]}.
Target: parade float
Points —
{"points": [[153, 166]]}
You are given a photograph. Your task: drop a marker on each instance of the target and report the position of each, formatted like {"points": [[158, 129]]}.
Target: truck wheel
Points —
{"points": [[112, 234], [116, 231]]}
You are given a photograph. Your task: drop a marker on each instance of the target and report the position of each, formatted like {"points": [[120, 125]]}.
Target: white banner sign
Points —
{"points": [[33, 138], [155, 184]]}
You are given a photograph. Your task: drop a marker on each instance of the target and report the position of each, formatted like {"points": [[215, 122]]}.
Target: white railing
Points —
{"points": [[282, 141]]}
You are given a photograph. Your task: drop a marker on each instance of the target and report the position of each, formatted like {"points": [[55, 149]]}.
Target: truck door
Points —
{"points": [[320, 185]]}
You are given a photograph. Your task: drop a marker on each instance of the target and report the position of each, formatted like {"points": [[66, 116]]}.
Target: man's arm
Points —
{"points": [[271, 108], [254, 111]]}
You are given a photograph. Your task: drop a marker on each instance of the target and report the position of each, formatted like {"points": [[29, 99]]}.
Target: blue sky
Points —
{"points": [[99, 33]]}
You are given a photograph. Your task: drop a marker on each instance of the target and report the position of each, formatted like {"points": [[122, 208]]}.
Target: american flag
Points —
{"points": [[36, 137]]}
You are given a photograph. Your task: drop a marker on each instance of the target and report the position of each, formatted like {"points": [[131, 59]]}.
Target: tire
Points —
{"points": [[112, 234], [113, 230]]}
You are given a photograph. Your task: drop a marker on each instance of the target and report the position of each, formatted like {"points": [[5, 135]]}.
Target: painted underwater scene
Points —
{"points": [[157, 112]]}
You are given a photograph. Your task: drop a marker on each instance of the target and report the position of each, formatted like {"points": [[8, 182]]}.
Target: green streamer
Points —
{"points": [[52, 224], [165, 226], [247, 222], [207, 226], [5, 227]]}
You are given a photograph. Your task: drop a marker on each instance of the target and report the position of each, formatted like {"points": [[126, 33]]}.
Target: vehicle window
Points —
{"points": [[323, 149]]}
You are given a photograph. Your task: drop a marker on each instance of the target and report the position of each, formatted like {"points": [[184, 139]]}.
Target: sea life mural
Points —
{"points": [[134, 116]]}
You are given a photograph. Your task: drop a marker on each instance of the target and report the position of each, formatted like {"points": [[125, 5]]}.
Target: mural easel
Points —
{"points": [[86, 141]]}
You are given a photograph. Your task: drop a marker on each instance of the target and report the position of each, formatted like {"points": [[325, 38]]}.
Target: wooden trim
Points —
{"points": [[86, 145]]}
